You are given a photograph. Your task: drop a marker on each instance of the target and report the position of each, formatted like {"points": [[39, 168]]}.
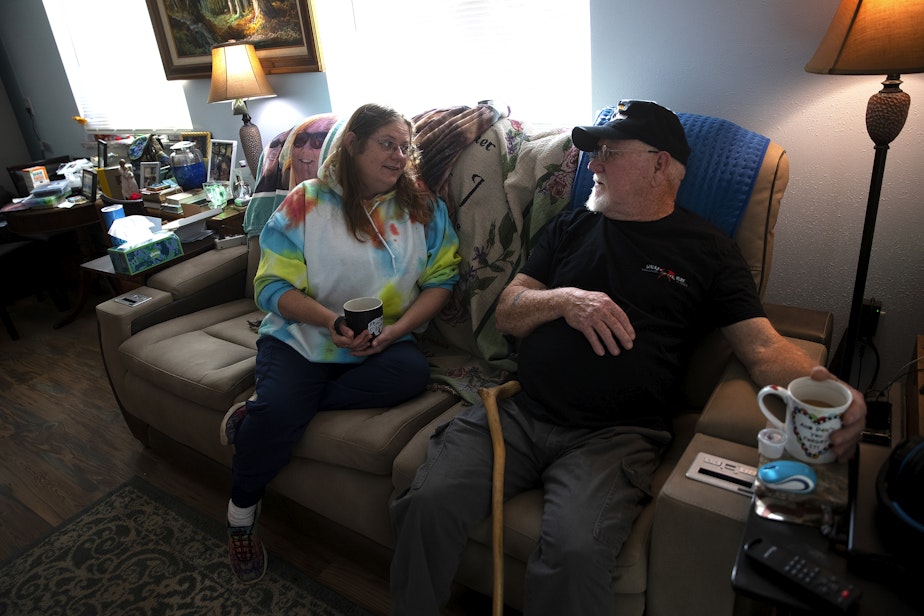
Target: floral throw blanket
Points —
{"points": [[505, 186]]}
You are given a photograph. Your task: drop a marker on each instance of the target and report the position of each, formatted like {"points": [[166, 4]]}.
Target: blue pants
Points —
{"points": [[291, 390], [595, 483]]}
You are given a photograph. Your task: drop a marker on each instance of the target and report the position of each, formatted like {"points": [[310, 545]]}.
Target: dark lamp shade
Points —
{"points": [[872, 37], [237, 74]]}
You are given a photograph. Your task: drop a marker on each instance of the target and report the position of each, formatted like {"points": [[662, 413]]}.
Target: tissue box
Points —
{"points": [[139, 256]]}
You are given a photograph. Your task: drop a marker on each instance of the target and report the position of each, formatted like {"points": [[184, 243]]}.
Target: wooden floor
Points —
{"points": [[65, 446]]}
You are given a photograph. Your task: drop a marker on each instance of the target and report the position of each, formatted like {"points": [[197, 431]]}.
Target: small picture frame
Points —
{"points": [[200, 139], [88, 185], [102, 153], [221, 160], [150, 173]]}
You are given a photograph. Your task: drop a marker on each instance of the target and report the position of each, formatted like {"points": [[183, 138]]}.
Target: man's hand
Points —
{"points": [[605, 325], [845, 440]]}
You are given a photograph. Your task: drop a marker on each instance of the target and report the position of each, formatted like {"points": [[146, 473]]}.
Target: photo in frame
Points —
{"points": [[150, 173], [221, 160], [88, 184], [201, 139], [285, 40]]}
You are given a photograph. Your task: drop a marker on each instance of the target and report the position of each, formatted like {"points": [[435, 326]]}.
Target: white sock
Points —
{"points": [[240, 516]]}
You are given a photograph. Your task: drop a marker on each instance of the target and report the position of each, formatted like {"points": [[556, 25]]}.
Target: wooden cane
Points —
{"points": [[490, 396]]}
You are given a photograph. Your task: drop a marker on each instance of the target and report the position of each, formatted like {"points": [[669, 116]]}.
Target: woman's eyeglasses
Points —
{"points": [[389, 146], [602, 153], [314, 140]]}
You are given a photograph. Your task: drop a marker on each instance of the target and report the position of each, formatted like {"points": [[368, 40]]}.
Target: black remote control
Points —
{"points": [[815, 584]]}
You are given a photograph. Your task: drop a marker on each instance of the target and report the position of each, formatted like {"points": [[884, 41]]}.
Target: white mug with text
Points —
{"points": [[813, 411]]}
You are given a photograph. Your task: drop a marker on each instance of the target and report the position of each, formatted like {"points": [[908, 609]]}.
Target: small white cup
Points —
{"points": [[813, 412]]}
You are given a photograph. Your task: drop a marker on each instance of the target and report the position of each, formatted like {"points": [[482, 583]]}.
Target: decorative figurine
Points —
{"points": [[127, 181]]}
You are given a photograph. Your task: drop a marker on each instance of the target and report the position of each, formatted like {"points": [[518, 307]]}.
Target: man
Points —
{"points": [[608, 304]]}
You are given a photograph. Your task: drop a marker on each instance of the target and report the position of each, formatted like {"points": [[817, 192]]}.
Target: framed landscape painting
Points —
{"points": [[282, 32]]}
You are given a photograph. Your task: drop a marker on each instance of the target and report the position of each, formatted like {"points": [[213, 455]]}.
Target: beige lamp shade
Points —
{"points": [[237, 73], [872, 37]]}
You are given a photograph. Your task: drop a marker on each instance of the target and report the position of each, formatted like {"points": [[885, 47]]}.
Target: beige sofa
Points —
{"points": [[179, 361]]}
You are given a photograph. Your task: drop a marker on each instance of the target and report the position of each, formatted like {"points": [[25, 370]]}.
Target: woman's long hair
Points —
{"points": [[410, 193]]}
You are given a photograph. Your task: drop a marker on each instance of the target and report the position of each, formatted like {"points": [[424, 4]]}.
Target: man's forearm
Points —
{"points": [[769, 358], [522, 309]]}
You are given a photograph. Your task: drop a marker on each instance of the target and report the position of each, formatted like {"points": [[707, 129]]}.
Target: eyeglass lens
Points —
{"points": [[390, 146]]}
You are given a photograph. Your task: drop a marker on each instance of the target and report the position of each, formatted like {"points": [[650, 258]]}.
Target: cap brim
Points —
{"points": [[586, 138]]}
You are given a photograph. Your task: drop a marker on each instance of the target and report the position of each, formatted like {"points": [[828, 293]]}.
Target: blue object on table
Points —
{"points": [[788, 476]]}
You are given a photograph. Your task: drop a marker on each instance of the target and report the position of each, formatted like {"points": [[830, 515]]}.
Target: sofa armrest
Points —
{"points": [[209, 279], [802, 323], [732, 413], [215, 268]]}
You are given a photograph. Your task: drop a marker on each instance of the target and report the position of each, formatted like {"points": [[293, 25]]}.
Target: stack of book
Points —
{"points": [[176, 202], [158, 193]]}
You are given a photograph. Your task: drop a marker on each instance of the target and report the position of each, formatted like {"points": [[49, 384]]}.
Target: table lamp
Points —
{"points": [[237, 75], [872, 37]]}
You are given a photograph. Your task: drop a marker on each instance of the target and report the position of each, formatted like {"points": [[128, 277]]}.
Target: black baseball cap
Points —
{"points": [[646, 121]]}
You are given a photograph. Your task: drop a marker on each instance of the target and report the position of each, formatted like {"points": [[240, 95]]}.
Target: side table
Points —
{"points": [[102, 266], [877, 598], [229, 222]]}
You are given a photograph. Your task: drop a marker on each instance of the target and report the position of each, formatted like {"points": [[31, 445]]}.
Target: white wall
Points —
{"points": [[743, 60]]}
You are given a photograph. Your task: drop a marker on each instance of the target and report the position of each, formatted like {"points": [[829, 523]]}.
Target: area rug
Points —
{"points": [[141, 551]]}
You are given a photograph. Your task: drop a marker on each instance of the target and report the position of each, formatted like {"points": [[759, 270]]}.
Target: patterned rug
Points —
{"points": [[140, 551]]}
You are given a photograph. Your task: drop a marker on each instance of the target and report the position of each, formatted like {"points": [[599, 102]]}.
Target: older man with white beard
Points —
{"points": [[607, 307]]}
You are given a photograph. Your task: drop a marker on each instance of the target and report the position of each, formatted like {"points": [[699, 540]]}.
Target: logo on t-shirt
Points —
{"points": [[667, 274]]}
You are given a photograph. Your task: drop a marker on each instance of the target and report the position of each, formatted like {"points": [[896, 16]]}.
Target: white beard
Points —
{"points": [[595, 202]]}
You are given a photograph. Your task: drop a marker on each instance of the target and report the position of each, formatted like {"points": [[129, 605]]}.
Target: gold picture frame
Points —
{"points": [[202, 139], [185, 36]]}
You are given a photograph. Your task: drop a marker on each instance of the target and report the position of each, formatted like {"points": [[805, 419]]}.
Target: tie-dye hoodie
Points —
{"points": [[306, 245]]}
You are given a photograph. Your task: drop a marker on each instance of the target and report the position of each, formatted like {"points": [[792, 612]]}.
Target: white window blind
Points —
{"points": [[533, 55], [114, 67]]}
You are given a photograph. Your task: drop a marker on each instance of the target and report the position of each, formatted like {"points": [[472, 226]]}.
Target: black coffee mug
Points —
{"points": [[364, 313]]}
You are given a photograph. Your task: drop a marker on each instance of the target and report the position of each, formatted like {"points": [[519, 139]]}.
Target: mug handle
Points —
{"points": [[772, 390]]}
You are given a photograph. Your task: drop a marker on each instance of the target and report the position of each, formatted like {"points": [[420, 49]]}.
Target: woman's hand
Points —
{"points": [[359, 345], [382, 341]]}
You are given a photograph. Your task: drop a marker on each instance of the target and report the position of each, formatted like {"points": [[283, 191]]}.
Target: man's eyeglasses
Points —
{"points": [[389, 146], [314, 140], [603, 153]]}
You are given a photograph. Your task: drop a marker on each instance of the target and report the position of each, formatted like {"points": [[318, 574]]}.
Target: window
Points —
{"points": [[533, 55], [114, 68]]}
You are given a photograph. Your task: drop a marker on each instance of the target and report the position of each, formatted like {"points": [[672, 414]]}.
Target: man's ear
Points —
{"points": [[663, 164]]}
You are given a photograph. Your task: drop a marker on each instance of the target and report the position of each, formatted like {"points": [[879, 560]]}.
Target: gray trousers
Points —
{"points": [[595, 483]]}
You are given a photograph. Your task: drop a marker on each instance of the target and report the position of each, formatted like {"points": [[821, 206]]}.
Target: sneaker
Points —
{"points": [[231, 422], [247, 552]]}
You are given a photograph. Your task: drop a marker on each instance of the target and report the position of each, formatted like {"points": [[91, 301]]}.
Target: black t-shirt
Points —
{"points": [[676, 278]]}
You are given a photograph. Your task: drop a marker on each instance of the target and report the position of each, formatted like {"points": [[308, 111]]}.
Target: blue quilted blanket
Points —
{"points": [[732, 155]]}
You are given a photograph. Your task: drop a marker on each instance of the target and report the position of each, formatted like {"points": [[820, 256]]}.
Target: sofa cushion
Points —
{"points": [[369, 439], [207, 357]]}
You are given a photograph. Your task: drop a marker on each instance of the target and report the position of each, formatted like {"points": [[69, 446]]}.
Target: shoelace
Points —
{"points": [[243, 544]]}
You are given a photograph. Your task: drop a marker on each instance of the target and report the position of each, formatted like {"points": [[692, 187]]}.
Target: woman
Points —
{"points": [[364, 227]]}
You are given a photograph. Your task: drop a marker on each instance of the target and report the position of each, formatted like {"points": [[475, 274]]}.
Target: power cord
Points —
{"points": [[42, 144]]}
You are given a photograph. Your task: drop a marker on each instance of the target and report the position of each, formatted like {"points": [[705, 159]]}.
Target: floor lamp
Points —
{"points": [[873, 37], [238, 75]]}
